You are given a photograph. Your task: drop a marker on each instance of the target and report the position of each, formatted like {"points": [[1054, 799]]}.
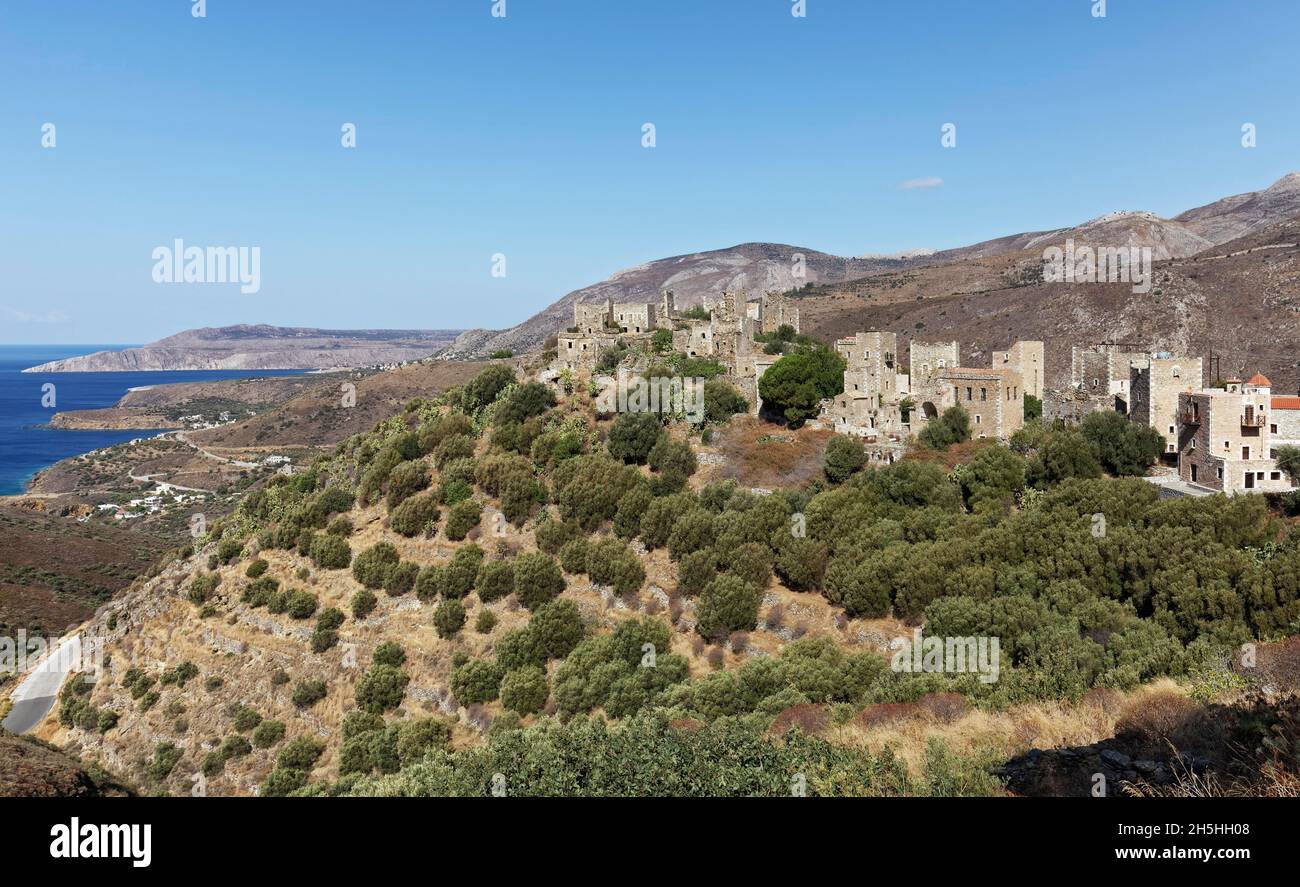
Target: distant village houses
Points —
{"points": [[1215, 439]]}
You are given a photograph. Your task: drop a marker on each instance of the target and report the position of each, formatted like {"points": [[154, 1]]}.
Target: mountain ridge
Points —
{"points": [[758, 267]]}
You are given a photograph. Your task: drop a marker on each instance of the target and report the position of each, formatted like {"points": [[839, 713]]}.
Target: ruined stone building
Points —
{"points": [[1226, 436], [1102, 371], [1026, 359], [776, 309], [1154, 386], [993, 398], [634, 317], [870, 404], [590, 318], [927, 360]]}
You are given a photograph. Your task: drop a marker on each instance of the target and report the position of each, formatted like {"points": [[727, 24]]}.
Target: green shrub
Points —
{"points": [[323, 639], [401, 579], [381, 688], [537, 579], [165, 758], [374, 565], [1124, 448], [794, 387], [752, 562], [281, 781], [800, 561], [417, 515], [556, 628], [300, 754], [475, 682], [552, 535], [235, 747], [692, 531], [301, 605], [256, 568], [525, 401], [407, 479], [389, 653], [627, 519], [203, 586], [633, 436], [268, 733], [330, 552], [673, 456], [329, 619], [525, 691], [180, 674], [495, 580], [363, 604], [448, 618], [727, 604], [463, 517], [485, 621], [722, 401], [574, 554], [611, 562], [246, 719], [308, 693], [951, 428], [845, 456], [696, 570]]}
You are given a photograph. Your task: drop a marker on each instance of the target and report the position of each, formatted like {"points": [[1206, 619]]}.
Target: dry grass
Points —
{"points": [[909, 727], [759, 454]]}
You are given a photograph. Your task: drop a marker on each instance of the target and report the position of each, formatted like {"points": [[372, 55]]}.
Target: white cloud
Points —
{"points": [[27, 317], [927, 182]]}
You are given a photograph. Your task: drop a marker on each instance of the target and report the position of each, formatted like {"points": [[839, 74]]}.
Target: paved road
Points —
{"points": [[39, 690]]}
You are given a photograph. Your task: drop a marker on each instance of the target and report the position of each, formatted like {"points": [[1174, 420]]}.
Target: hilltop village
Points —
{"points": [[1219, 435]]}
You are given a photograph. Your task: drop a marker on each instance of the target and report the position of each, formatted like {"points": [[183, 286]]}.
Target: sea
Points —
{"points": [[28, 444]]}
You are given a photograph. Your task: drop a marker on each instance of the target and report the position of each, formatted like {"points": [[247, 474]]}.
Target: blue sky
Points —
{"points": [[478, 135]]}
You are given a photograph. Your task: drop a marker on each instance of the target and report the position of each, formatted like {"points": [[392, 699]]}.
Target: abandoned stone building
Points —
{"points": [[1026, 359], [1102, 371], [1226, 437], [926, 360], [634, 317], [870, 405], [1154, 386], [590, 318], [993, 398], [776, 310]]}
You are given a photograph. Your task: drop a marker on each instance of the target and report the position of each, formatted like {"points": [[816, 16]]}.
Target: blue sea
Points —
{"points": [[28, 444]]}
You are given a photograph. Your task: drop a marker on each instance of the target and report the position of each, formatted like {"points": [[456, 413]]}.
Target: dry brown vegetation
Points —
{"points": [[758, 454]]}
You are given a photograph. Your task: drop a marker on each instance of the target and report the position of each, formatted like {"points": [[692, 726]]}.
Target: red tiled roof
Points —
{"points": [[1261, 380], [1285, 403]]}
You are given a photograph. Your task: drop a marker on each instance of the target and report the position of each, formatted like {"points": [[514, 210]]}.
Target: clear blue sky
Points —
{"points": [[522, 136]]}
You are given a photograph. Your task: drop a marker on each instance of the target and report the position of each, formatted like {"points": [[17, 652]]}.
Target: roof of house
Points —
{"points": [[1281, 402], [1260, 380]]}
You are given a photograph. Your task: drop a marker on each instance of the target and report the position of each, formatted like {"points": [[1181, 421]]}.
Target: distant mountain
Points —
{"points": [[755, 268], [261, 347], [1234, 217], [1238, 302], [761, 267]]}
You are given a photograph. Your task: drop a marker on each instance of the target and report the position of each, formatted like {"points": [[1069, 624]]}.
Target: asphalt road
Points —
{"points": [[38, 691]]}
